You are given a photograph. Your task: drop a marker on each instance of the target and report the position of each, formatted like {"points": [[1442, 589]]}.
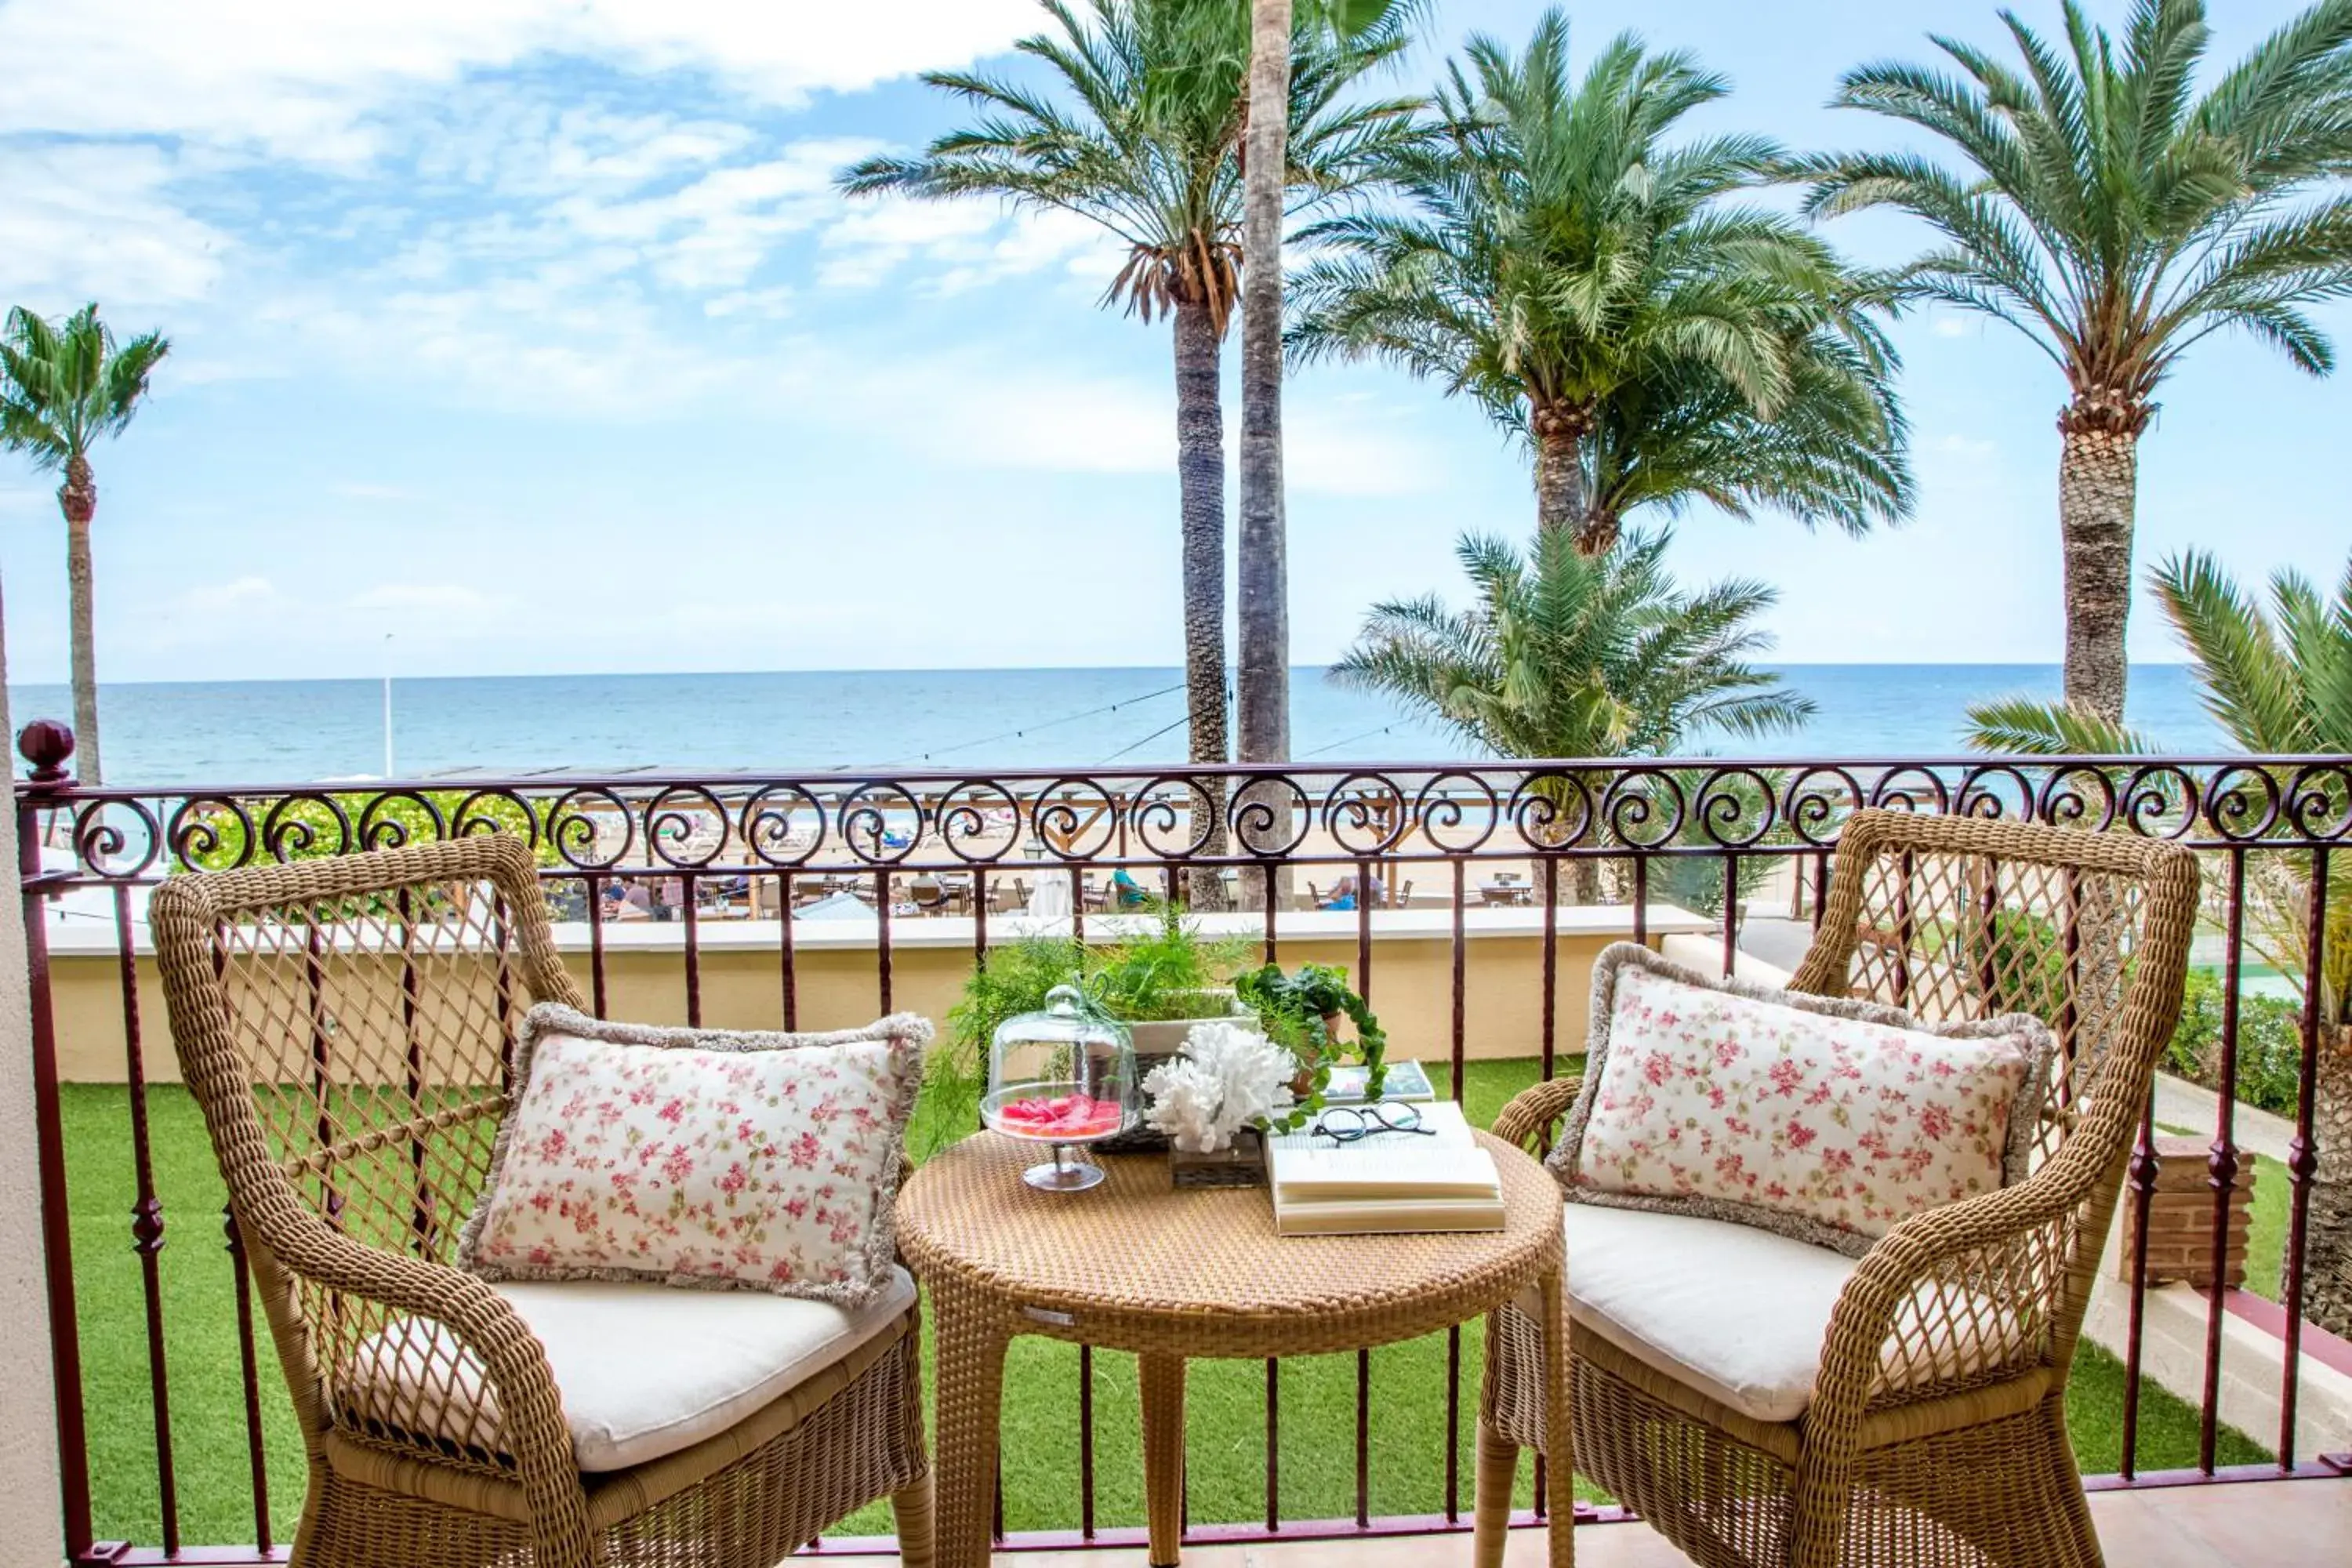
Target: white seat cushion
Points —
{"points": [[643, 1370], [1740, 1313], [1735, 1312]]}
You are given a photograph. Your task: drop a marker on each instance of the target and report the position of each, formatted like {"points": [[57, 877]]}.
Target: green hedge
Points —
{"points": [[2270, 1043]]}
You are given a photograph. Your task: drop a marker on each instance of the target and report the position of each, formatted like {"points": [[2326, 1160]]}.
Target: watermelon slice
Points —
{"points": [[1064, 1118]]}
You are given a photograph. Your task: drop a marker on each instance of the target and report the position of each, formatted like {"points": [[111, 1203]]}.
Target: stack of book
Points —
{"points": [[1385, 1182]]}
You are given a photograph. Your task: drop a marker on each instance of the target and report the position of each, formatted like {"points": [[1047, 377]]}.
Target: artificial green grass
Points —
{"points": [[1226, 1409]]}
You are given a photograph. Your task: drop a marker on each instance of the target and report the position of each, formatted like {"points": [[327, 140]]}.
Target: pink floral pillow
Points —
{"points": [[699, 1157], [1822, 1117]]}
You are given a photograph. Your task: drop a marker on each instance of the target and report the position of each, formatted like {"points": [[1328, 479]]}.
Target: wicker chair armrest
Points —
{"points": [[461, 1307], [1530, 1118], [1952, 1298]]}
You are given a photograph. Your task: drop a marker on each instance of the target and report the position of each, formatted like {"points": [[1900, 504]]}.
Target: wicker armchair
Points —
{"points": [[1934, 1432], [344, 1025]]}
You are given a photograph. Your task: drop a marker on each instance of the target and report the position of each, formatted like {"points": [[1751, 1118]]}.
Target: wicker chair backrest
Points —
{"points": [[345, 1025], [1958, 917]]}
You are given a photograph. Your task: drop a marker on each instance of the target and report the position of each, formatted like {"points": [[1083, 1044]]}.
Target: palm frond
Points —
{"points": [[2252, 688], [1133, 123], [1558, 655], [2027, 727], [1556, 244], [2099, 204], [65, 384]]}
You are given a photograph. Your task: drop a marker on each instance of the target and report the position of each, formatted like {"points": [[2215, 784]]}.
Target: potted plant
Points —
{"points": [[1300, 1010], [1159, 983]]}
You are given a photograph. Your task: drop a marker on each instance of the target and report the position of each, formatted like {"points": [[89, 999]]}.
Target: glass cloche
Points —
{"points": [[1064, 1077]]}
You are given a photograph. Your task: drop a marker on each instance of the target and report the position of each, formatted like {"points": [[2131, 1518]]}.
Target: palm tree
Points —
{"points": [[2116, 219], [1567, 655], [2277, 683], [1261, 570], [1262, 564], [1592, 289], [1144, 141], [63, 385]]}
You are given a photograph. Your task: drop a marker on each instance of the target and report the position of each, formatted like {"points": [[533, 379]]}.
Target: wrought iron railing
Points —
{"points": [[958, 858]]}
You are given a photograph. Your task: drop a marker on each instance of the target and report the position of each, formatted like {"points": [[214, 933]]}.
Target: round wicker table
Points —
{"points": [[1137, 1265]]}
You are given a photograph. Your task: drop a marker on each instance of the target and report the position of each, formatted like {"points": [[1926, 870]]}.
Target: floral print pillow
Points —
{"points": [[699, 1157], [1823, 1119]]}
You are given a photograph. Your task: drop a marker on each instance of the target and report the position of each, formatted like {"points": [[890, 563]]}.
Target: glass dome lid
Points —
{"points": [[1064, 1078]]}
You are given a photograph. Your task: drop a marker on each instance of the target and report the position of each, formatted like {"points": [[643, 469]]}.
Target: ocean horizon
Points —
{"points": [[291, 732]]}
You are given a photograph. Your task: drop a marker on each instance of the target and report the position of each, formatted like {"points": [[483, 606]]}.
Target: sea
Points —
{"points": [[807, 721]]}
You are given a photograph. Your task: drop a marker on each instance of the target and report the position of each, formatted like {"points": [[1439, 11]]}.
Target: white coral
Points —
{"points": [[1228, 1076]]}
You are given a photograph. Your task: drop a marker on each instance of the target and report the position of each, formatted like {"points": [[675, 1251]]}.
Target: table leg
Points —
{"points": [[1162, 1377], [971, 1355], [1559, 1431]]}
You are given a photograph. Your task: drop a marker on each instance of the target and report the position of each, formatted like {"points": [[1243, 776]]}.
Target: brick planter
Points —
{"points": [[2181, 1217]]}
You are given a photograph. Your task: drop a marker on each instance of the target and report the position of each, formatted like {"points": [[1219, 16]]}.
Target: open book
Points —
{"points": [[1386, 1182]]}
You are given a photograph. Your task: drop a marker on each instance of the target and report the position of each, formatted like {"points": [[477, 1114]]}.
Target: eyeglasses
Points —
{"points": [[1349, 1123]]}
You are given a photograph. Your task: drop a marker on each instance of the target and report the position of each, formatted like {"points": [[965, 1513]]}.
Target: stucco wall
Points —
{"points": [[836, 976]]}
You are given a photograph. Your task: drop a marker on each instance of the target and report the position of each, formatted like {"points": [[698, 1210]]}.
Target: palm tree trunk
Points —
{"points": [[1598, 534], [1559, 482], [1263, 573], [1201, 479], [78, 499], [2328, 1262], [2097, 479], [1561, 500]]}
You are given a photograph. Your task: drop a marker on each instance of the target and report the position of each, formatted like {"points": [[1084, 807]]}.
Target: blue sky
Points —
{"points": [[533, 335]]}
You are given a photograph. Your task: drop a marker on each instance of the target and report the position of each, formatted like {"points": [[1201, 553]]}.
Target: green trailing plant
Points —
{"points": [[1296, 1008]]}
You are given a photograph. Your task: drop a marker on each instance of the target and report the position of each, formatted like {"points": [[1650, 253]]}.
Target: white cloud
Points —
{"points": [[752, 304], [297, 79], [86, 221], [308, 610], [1965, 446], [1353, 452], [356, 490], [1951, 324], [1013, 411], [966, 244], [713, 232], [26, 501]]}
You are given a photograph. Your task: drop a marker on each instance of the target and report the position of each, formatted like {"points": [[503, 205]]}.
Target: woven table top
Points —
{"points": [[1139, 1264]]}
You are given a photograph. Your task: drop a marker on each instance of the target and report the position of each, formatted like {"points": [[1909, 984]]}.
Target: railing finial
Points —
{"points": [[46, 743]]}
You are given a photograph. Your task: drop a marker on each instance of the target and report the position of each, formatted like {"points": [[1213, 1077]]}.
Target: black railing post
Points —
{"points": [[47, 744]]}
